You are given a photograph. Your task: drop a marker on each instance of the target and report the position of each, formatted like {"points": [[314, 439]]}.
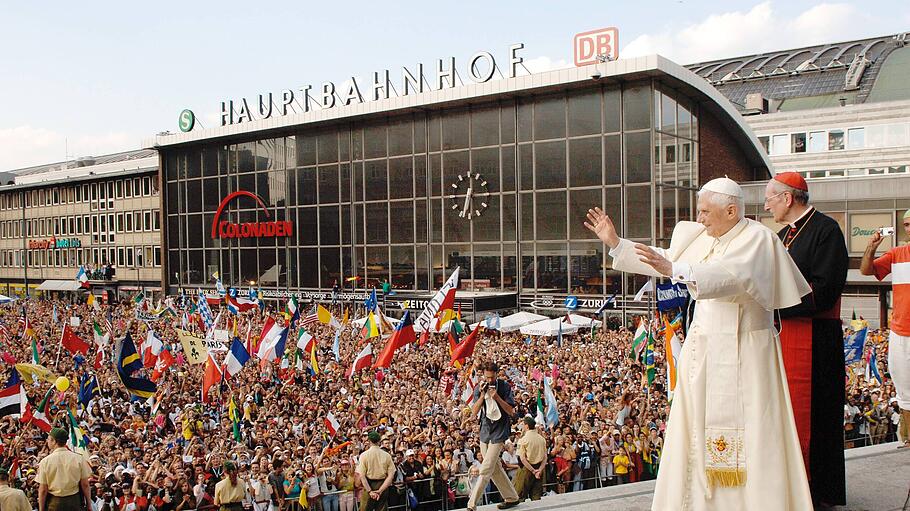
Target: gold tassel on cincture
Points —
{"points": [[726, 478]]}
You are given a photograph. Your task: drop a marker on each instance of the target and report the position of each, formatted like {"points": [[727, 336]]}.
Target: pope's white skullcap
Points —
{"points": [[725, 186]]}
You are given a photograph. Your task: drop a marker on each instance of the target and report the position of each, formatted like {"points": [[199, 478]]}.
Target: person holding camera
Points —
{"points": [[896, 261], [494, 402]]}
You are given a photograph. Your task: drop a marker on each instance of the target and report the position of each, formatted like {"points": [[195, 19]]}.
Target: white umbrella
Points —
{"points": [[515, 321], [549, 328], [584, 321]]}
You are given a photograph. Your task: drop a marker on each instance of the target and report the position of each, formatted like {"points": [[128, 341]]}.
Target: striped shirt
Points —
{"points": [[896, 262]]}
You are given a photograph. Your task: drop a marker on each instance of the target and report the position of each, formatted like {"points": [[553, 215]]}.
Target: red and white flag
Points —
{"points": [[331, 424], [363, 360]]}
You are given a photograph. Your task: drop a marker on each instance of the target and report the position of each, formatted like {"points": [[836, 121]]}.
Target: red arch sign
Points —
{"points": [[270, 229]]}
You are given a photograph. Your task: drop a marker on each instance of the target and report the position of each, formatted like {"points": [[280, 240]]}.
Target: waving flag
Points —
{"points": [[332, 424], [650, 372], [639, 339], [234, 415], [82, 278], [552, 413], [292, 311], [236, 358], [165, 360], [72, 342], [77, 440], [88, 389], [128, 362], [38, 416], [307, 343], [151, 348], [425, 320], [272, 340], [872, 372], [371, 302], [854, 346], [202, 306], [466, 348], [370, 329], [219, 287], [402, 336], [673, 346], [12, 401], [336, 346], [362, 361], [323, 315], [210, 377]]}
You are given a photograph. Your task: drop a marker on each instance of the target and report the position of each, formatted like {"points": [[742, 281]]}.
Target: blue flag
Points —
{"points": [[128, 362], [854, 345], [371, 302], [608, 303], [88, 388], [13, 378]]}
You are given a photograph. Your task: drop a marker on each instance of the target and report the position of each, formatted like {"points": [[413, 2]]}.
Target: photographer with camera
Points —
{"points": [[494, 403]]}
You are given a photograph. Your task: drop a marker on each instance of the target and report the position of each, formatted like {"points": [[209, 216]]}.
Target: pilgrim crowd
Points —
{"points": [[167, 452]]}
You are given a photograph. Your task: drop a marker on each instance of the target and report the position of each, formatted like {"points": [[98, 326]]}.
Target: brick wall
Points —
{"points": [[720, 155]]}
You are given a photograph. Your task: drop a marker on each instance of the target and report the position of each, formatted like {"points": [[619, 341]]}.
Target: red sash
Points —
{"points": [[796, 347]]}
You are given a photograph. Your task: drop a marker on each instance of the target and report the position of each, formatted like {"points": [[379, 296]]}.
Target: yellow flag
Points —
{"points": [[313, 359], [303, 501], [325, 317], [193, 347], [344, 319], [34, 372]]}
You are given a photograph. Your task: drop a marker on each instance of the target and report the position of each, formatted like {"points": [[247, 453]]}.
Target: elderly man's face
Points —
{"points": [[716, 219]]}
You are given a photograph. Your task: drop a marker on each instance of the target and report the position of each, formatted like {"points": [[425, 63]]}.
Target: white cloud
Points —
{"points": [[24, 146], [759, 29]]}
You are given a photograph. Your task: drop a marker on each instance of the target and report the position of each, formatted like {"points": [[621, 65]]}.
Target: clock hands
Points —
{"points": [[467, 204]]}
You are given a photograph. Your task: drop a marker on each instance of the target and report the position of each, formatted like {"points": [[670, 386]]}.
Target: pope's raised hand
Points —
{"points": [[648, 256], [600, 224]]}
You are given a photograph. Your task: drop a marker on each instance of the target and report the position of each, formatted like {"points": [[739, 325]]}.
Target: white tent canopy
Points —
{"points": [[549, 328], [515, 321], [60, 285], [584, 321], [5, 299]]}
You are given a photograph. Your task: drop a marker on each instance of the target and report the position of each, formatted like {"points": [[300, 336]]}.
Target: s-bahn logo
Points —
{"points": [[268, 229]]}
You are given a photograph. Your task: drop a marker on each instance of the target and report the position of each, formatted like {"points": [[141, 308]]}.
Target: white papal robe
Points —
{"points": [[738, 280]]}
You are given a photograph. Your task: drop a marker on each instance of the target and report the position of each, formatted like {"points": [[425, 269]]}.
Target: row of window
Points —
{"points": [[146, 256], [876, 171], [837, 139], [100, 227], [100, 194]]}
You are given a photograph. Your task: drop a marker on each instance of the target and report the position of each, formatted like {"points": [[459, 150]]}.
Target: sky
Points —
{"points": [[91, 78]]}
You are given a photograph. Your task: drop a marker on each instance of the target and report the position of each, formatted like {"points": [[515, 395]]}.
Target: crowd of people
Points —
{"points": [[169, 451]]}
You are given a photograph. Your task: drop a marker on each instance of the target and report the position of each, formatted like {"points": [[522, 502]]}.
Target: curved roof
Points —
{"points": [[820, 70]]}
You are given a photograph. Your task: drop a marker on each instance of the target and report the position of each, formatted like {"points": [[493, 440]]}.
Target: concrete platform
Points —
{"points": [[878, 479]]}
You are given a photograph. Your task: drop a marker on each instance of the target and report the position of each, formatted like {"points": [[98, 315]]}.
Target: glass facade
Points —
{"points": [[499, 188]]}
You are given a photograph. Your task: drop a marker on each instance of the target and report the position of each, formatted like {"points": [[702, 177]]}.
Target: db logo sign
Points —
{"points": [[588, 45]]}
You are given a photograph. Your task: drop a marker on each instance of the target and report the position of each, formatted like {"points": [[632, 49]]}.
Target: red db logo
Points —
{"points": [[269, 229], [588, 45]]}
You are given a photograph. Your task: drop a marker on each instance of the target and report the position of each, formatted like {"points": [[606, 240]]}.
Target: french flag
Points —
{"points": [[236, 358], [82, 278]]}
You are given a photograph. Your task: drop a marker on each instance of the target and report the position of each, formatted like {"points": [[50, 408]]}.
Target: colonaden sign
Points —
{"points": [[55, 243], [269, 229], [480, 68]]}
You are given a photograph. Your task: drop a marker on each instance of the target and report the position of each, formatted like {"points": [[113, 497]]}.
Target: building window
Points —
{"points": [[146, 186], [835, 140], [156, 256], [798, 143], [136, 192], [780, 144], [127, 189], [157, 218], [817, 141], [129, 256], [764, 141], [137, 221], [128, 218], [856, 138], [118, 188]]}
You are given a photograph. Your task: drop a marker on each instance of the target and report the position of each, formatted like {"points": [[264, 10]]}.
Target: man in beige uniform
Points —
{"points": [[11, 499], [61, 475], [376, 471], [532, 453], [230, 491]]}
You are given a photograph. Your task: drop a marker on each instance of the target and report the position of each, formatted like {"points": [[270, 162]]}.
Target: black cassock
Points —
{"points": [[816, 244]]}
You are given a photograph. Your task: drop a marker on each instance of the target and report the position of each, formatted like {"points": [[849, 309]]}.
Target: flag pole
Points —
{"points": [[60, 348]]}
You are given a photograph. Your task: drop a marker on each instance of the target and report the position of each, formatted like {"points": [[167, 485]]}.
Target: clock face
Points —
{"points": [[469, 195]]}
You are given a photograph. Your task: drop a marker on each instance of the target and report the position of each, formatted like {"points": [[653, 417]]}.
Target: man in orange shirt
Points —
{"points": [[896, 262]]}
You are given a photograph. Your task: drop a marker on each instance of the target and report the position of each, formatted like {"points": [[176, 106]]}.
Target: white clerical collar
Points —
{"points": [[736, 229], [806, 212]]}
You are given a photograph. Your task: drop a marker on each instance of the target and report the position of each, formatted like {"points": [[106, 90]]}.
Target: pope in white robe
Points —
{"points": [[731, 441]]}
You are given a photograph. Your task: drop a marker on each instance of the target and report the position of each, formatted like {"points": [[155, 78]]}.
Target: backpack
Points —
{"points": [[584, 456]]}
